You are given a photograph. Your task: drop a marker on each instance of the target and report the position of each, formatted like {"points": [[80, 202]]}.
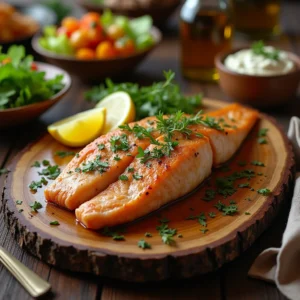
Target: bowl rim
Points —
{"points": [[220, 57], [155, 32], [21, 39], [63, 91]]}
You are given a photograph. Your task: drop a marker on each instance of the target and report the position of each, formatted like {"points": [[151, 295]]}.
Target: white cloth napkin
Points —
{"points": [[282, 265]]}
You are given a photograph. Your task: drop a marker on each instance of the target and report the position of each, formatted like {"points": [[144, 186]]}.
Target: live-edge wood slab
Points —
{"points": [[70, 246]]}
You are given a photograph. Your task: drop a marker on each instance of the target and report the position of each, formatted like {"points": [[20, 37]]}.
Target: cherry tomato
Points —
{"points": [[79, 39], [85, 53], [70, 24], [90, 20], [106, 50], [95, 36], [33, 66], [115, 32], [125, 47]]}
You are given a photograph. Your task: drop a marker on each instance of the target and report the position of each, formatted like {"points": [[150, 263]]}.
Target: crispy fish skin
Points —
{"points": [[167, 179], [73, 188]]}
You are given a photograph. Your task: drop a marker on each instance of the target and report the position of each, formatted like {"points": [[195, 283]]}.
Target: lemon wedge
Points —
{"points": [[80, 129], [120, 110]]}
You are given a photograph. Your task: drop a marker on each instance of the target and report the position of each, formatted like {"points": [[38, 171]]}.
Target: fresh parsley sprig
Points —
{"points": [[258, 48]]}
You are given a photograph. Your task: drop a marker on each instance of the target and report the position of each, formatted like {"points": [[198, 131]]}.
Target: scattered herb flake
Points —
{"points": [[117, 158], [54, 223], [35, 206], [262, 132], [202, 219], [212, 214], [137, 176], [204, 230], [244, 185], [143, 244], [247, 213], [264, 192], [45, 162], [101, 146], [227, 209], [123, 177], [148, 234], [262, 141], [3, 171], [209, 195], [106, 231], [130, 169], [36, 164], [51, 172], [21, 210], [63, 154], [166, 233], [19, 202], [257, 163]]}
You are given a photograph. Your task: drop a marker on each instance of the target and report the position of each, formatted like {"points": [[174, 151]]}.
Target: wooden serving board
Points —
{"points": [[72, 247]]}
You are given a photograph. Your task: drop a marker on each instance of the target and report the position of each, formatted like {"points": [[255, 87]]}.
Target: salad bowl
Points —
{"points": [[16, 116], [96, 69]]}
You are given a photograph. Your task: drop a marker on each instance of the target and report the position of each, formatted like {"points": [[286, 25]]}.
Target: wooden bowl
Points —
{"points": [[96, 69], [17, 116], [259, 91], [159, 14]]}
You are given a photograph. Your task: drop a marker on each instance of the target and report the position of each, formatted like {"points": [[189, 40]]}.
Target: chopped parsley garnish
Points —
{"points": [[204, 230], [54, 223], [244, 185], [36, 164], [262, 141], [137, 176], [96, 165], [166, 233], [35, 185], [3, 171], [143, 244], [117, 158], [45, 162], [258, 48], [202, 219], [257, 163], [262, 132], [123, 177], [119, 143], [264, 192], [148, 234], [77, 170], [227, 209], [101, 146], [199, 135], [130, 169], [77, 155], [115, 235], [35, 206], [212, 214], [259, 173], [225, 186], [247, 213], [19, 202], [209, 195], [51, 172], [63, 154]]}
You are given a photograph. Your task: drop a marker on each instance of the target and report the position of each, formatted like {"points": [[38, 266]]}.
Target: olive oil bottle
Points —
{"points": [[205, 29], [259, 19]]}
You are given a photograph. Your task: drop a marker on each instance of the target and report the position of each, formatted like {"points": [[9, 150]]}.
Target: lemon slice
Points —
{"points": [[80, 129], [120, 110]]}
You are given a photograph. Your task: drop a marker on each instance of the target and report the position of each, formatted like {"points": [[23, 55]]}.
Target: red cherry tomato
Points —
{"points": [[125, 47], [79, 39], [95, 36], [106, 50], [90, 20], [33, 66], [70, 24]]}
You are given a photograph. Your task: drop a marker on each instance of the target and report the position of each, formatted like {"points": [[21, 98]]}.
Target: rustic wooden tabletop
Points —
{"points": [[231, 281]]}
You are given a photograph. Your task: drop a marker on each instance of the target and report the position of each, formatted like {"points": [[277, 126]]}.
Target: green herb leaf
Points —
{"points": [[227, 209], [257, 163], [36, 164], [35, 206], [212, 215], [63, 154], [148, 234], [258, 48], [262, 141], [137, 176], [19, 202], [54, 223], [264, 192], [101, 146], [166, 234], [3, 171], [244, 185], [123, 177], [204, 230], [143, 244], [262, 132]]}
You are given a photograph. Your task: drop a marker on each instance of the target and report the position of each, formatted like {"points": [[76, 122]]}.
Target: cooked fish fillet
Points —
{"points": [[236, 121], [166, 179], [74, 187]]}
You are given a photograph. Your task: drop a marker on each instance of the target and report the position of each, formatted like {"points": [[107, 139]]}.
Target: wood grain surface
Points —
{"points": [[231, 281], [72, 247]]}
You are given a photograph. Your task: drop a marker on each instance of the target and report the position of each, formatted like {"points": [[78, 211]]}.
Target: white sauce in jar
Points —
{"points": [[246, 62]]}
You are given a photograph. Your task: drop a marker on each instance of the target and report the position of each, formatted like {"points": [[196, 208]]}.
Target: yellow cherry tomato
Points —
{"points": [[115, 32], [85, 53], [106, 50], [79, 39]]}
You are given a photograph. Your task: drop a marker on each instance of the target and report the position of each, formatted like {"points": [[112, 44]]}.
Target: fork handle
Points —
{"points": [[32, 283]]}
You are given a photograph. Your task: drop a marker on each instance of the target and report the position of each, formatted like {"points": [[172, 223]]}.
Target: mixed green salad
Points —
{"points": [[21, 83]]}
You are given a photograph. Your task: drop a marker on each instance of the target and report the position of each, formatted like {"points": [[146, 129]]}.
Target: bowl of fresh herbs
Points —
{"points": [[28, 88]]}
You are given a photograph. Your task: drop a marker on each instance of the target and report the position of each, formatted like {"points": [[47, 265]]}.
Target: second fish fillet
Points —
{"points": [[148, 187]]}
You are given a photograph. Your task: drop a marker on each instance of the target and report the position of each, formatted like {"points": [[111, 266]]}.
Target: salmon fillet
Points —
{"points": [[236, 121], [166, 179], [76, 184], [170, 177]]}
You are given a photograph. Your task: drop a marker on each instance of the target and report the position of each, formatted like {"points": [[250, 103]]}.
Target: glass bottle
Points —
{"points": [[259, 19], [205, 29]]}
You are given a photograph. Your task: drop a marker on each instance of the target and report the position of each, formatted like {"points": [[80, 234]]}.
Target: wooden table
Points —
{"points": [[230, 282]]}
